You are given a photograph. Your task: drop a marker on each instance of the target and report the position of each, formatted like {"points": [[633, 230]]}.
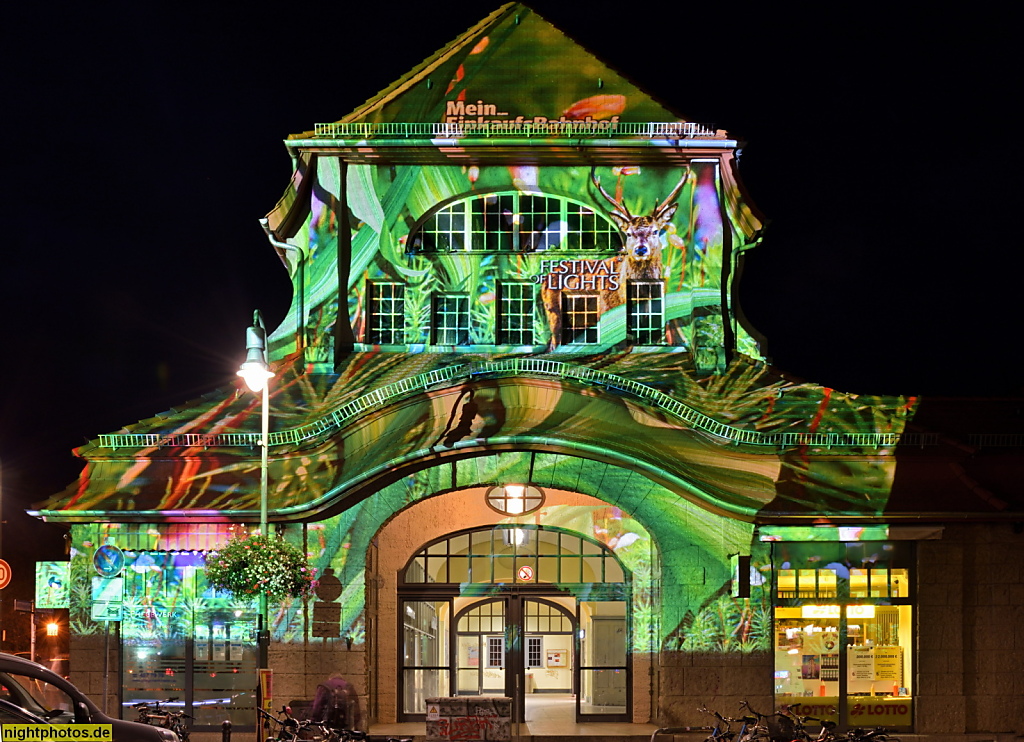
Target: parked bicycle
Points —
{"points": [[722, 730], [156, 714], [878, 734], [800, 732], [290, 729]]}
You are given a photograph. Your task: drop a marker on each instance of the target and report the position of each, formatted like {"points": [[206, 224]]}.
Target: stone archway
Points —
{"points": [[693, 544], [434, 517]]}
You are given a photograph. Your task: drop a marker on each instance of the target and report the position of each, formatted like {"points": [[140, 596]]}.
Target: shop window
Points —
{"points": [[645, 312], [386, 313], [878, 583], [516, 222], [515, 313], [451, 319], [844, 633], [579, 318], [806, 583], [181, 638]]}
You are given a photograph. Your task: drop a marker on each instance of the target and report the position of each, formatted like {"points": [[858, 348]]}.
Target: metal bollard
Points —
{"points": [[225, 731]]}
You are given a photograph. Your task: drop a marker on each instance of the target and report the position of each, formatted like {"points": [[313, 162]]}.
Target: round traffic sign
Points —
{"points": [[108, 561], [5, 574]]}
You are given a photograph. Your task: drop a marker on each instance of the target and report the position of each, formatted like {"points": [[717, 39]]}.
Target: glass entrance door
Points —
{"points": [[604, 675], [481, 659], [516, 627], [550, 659]]}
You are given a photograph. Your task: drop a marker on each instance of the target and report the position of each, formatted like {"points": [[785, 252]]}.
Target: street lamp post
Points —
{"points": [[256, 372]]}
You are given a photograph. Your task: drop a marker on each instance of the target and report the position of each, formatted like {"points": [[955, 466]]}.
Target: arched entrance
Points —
{"points": [[516, 610], [668, 545]]}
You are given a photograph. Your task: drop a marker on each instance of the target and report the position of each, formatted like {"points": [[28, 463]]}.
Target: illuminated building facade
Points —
{"points": [[518, 416]]}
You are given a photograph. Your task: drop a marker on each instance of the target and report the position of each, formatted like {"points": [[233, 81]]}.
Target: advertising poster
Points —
{"points": [[107, 598], [52, 579], [889, 665], [861, 670], [810, 669]]}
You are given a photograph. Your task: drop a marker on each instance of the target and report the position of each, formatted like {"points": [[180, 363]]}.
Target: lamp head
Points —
{"points": [[255, 369], [255, 373]]}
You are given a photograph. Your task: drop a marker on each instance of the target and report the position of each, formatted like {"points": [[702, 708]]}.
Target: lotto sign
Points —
{"points": [[526, 574], [5, 574], [882, 711]]}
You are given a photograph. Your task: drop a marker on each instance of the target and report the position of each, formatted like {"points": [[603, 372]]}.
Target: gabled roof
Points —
{"points": [[520, 64]]}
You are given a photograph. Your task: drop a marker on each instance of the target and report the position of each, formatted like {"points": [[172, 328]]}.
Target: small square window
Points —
{"points": [[535, 651], [451, 319], [515, 313], [645, 312], [495, 651], [579, 318], [387, 314]]}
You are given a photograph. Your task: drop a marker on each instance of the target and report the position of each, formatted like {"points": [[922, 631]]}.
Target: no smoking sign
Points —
{"points": [[526, 574]]}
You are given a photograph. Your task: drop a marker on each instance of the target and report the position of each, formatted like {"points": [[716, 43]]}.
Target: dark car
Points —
{"points": [[32, 694]]}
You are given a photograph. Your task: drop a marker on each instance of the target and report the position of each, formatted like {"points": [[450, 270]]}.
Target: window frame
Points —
{"points": [[438, 330], [653, 333], [374, 297], [528, 304], [827, 601], [534, 658], [576, 223], [495, 652], [590, 331]]}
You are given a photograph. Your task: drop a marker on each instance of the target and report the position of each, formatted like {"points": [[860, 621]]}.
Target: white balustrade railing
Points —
{"points": [[338, 418], [513, 128]]}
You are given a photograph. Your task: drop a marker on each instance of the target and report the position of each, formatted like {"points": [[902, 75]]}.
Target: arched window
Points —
{"points": [[516, 222], [521, 554]]}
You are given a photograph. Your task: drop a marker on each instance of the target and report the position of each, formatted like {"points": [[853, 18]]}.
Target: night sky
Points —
{"points": [[144, 143]]}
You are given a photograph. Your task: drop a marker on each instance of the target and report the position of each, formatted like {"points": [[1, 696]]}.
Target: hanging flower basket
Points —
{"points": [[260, 564]]}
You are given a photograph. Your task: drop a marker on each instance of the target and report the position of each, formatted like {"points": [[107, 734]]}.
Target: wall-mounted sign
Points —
{"points": [[819, 611], [266, 688], [557, 658], [52, 579], [860, 611], [108, 561], [525, 573], [107, 598], [5, 574]]}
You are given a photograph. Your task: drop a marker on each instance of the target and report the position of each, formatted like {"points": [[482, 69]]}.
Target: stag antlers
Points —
{"points": [[643, 233]]}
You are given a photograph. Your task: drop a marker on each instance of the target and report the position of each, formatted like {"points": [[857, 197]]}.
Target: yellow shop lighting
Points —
{"points": [[860, 611], [819, 611]]}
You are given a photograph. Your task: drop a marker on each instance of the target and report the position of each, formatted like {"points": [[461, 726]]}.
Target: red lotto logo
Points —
{"points": [[5, 574]]}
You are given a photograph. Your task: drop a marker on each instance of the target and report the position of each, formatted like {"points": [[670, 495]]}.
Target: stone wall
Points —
{"points": [[88, 669], [298, 669], [971, 631], [688, 680]]}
